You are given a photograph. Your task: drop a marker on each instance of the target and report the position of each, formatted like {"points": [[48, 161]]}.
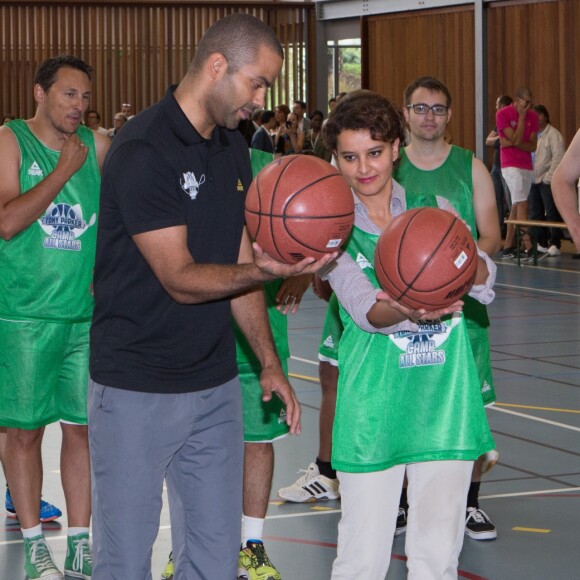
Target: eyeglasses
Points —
{"points": [[423, 109]]}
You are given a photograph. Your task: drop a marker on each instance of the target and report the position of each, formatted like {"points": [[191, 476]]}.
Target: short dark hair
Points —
{"points": [[505, 100], [46, 72], [301, 103], [317, 112], [541, 110], [332, 100], [364, 110], [432, 84], [238, 37], [266, 116], [523, 92], [284, 108], [93, 112]]}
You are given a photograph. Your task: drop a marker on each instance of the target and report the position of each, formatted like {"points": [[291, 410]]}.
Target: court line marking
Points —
{"points": [[540, 290], [534, 408], [533, 530], [495, 406], [538, 267], [538, 419], [305, 360], [337, 511], [524, 493]]}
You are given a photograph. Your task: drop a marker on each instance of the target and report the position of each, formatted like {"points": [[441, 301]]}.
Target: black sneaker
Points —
{"points": [[527, 255], [401, 526], [508, 253], [478, 525]]}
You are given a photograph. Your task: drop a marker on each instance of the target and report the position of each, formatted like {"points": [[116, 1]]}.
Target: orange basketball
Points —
{"points": [[426, 258], [299, 206]]}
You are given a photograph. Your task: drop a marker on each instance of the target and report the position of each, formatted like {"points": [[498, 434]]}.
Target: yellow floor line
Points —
{"points": [[304, 377], [533, 530], [538, 408]]}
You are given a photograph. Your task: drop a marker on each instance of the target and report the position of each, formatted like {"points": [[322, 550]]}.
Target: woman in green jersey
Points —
{"points": [[408, 393]]}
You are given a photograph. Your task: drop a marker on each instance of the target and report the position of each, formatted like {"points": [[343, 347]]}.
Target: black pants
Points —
{"points": [[541, 207]]}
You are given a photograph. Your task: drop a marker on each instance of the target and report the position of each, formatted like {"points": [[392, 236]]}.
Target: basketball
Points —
{"points": [[426, 258], [299, 206]]}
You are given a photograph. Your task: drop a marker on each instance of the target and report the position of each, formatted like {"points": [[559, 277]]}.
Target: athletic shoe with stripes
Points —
{"points": [[310, 487], [401, 526], [169, 569], [254, 564], [48, 512]]}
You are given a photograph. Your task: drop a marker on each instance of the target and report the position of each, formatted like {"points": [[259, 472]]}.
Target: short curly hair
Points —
{"points": [[364, 110]]}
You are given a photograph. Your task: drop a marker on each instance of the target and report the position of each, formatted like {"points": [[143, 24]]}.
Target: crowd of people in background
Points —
{"points": [[285, 131]]}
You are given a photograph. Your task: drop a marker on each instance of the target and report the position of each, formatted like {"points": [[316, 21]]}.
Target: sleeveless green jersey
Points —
{"points": [[405, 397], [452, 180], [278, 321], [46, 269]]}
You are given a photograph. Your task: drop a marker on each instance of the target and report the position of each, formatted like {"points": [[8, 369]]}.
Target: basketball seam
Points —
{"points": [[435, 250]]}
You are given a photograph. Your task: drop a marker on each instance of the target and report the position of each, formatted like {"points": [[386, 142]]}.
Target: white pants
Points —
{"points": [[437, 496]]}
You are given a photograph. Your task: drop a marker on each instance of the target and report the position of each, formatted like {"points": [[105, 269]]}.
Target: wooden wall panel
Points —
{"points": [[137, 48], [536, 44], [440, 43]]}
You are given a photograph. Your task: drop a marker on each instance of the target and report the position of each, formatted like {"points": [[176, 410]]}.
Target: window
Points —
{"points": [[344, 65]]}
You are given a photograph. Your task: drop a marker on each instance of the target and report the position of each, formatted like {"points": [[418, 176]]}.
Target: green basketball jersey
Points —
{"points": [[453, 180], [278, 321], [47, 268], [405, 397]]}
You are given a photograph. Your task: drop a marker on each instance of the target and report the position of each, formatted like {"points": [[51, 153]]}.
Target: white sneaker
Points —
{"points": [[554, 251], [310, 487], [542, 249]]}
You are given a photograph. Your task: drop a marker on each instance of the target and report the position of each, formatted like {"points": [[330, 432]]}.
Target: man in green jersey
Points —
{"points": [[49, 195], [430, 167]]}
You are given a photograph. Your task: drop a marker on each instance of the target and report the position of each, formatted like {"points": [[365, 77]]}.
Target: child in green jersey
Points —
{"points": [[408, 394]]}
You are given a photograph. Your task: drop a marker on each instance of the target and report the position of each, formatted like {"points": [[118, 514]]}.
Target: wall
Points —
{"points": [[137, 48]]}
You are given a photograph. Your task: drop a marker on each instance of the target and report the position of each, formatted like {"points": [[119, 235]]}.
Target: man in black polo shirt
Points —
{"points": [[174, 263]]}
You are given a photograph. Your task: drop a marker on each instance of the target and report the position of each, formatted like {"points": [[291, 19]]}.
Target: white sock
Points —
{"points": [[77, 531], [32, 532], [252, 529]]}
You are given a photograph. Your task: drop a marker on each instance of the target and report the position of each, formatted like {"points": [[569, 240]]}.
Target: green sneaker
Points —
{"points": [[169, 570], [79, 557], [38, 560], [254, 564]]}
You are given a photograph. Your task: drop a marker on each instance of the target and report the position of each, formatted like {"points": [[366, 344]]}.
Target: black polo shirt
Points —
{"points": [[161, 173]]}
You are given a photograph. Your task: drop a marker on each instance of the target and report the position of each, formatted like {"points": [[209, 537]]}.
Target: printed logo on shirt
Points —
{"points": [[363, 262], [64, 225], [328, 342], [34, 169], [282, 416], [486, 387], [190, 184], [423, 347], [240, 185]]}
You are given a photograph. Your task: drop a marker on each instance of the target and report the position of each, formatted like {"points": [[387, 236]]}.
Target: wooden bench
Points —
{"points": [[521, 226]]}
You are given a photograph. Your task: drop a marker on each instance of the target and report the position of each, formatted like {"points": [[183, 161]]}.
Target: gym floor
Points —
{"points": [[532, 495]]}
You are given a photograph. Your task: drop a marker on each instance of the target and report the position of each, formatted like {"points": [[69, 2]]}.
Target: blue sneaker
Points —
{"points": [[48, 512]]}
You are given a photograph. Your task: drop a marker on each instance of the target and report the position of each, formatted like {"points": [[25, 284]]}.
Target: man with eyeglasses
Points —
{"points": [[430, 167], [518, 127]]}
